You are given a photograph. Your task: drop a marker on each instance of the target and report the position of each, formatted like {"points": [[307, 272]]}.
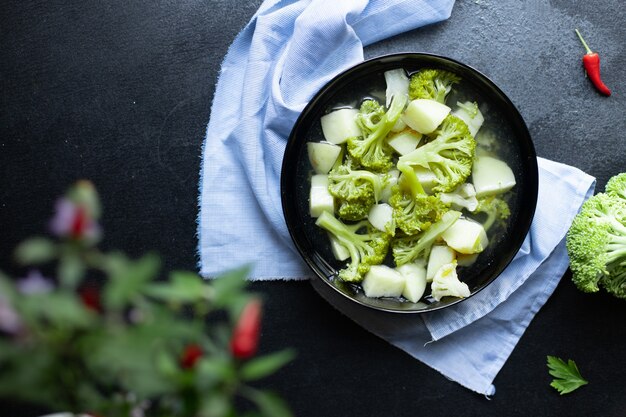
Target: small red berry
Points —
{"points": [[191, 355], [90, 297], [79, 222]]}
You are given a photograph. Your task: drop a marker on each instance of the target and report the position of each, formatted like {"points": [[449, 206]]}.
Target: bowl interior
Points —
{"points": [[366, 79]]}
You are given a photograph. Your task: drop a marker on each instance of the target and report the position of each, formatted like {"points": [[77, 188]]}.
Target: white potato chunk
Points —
{"points": [[383, 281], [491, 176], [323, 156], [466, 236], [339, 125], [424, 115], [320, 199], [405, 141], [439, 256], [381, 217], [415, 281]]}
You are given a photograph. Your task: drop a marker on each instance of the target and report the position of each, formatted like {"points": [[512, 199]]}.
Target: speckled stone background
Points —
{"points": [[119, 92]]}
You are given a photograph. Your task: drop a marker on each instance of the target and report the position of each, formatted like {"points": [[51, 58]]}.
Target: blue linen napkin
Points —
{"points": [[286, 53]]}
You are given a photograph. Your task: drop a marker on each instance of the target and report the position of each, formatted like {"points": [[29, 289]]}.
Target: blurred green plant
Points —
{"points": [[106, 336]]}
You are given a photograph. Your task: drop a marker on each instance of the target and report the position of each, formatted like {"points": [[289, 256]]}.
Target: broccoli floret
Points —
{"points": [[495, 209], [487, 143], [616, 186], [355, 191], [414, 210], [353, 210], [370, 115], [470, 113], [366, 249], [470, 108], [463, 197], [371, 150], [596, 243], [411, 248], [449, 155], [615, 282], [432, 84], [446, 283]]}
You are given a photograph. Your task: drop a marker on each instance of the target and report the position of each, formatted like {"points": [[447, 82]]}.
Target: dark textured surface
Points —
{"points": [[120, 92]]}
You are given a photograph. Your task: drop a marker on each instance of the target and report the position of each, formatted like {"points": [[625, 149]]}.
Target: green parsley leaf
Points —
{"points": [[566, 375]]}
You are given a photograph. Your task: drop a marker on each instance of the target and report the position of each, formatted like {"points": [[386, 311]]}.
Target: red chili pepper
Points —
{"points": [[190, 356], [591, 62], [245, 339]]}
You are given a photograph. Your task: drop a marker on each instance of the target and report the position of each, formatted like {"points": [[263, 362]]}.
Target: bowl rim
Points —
{"points": [[532, 178]]}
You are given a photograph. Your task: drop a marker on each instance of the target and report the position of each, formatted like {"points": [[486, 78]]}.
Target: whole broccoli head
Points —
{"points": [[449, 155], [616, 186], [408, 249], [495, 209], [434, 84], [596, 244], [367, 246], [355, 190], [371, 150]]}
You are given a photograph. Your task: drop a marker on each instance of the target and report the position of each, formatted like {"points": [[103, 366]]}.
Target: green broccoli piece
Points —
{"points": [[366, 249], [616, 186], [355, 191], [615, 282], [449, 155], [370, 115], [408, 249], [371, 150], [463, 197], [413, 209], [432, 84], [470, 108], [495, 209], [596, 244], [353, 210]]}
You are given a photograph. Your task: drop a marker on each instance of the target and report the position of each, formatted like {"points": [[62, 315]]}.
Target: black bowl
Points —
{"points": [[367, 78]]}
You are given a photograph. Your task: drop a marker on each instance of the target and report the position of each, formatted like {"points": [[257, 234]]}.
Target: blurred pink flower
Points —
{"points": [[74, 221], [9, 320], [34, 283]]}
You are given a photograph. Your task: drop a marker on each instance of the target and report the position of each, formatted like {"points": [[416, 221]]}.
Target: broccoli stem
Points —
{"points": [[616, 249], [410, 179], [427, 239]]}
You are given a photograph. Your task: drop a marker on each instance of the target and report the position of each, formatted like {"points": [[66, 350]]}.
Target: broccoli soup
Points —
{"points": [[411, 184]]}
